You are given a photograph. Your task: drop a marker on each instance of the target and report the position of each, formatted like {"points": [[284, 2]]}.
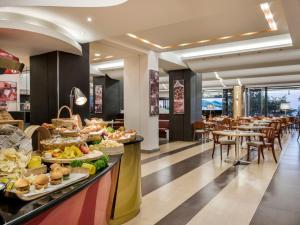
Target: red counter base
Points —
{"points": [[88, 207]]}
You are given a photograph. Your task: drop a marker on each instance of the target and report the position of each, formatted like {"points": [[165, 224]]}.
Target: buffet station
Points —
{"points": [[83, 174]]}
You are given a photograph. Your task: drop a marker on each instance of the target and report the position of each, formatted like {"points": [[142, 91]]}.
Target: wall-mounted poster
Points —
{"points": [[178, 86], [98, 98], [8, 91], [154, 92]]}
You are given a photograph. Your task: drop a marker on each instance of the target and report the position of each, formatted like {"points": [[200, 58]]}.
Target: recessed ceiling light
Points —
{"points": [[89, 19], [184, 44], [265, 7], [109, 56], [145, 41], [203, 41], [97, 54], [225, 37], [249, 33], [131, 35], [96, 59]]}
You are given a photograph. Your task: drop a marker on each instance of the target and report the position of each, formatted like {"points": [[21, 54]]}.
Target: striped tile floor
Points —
{"points": [[182, 184]]}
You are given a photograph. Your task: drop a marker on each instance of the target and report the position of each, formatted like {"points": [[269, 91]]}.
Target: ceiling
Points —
{"points": [[172, 28]]}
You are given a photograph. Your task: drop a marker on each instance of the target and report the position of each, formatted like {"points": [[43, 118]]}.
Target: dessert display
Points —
{"points": [[95, 121], [108, 147]]}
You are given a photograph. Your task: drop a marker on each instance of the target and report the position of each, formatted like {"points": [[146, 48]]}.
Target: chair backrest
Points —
{"points": [[216, 136], [198, 125], [226, 121], [269, 134]]}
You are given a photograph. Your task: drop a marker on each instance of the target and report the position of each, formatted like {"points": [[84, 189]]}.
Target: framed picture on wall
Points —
{"points": [[178, 104], [8, 91], [98, 98], [154, 92]]}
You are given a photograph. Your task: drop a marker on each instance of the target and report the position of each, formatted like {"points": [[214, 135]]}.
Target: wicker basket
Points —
{"points": [[65, 122]]}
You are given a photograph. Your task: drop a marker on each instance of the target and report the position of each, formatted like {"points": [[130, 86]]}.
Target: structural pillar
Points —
{"points": [[137, 98], [52, 76], [181, 124], [238, 102]]}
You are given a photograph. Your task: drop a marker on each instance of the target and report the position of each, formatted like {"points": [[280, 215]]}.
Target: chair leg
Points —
{"points": [[194, 136], [273, 152], [262, 153], [258, 155], [279, 141], [214, 147], [248, 152], [228, 150], [221, 152]]}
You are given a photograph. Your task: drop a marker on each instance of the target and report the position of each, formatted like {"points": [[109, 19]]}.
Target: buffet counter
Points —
{"points": [[111, 196]]}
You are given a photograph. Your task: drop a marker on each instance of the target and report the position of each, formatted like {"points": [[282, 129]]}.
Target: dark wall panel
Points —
{"points": [[57, 72], [181, 124], [43, 87], [74, 72], [111, 97]]}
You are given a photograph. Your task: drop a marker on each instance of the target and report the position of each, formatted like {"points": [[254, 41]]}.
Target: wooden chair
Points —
{"points": [[218, 141], [276, 125], [264, 142], [199, 127], [226, 122]]}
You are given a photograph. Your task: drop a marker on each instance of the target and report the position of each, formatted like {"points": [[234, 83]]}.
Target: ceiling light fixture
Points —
{"points": [[249, 33], [97, 54], [146, 41], [109, 57], [225, 37], [278, 41], [203, 41], [184, 44], [132, 35], [89, 19], [111, 65], [96, 59], [265, 7]]}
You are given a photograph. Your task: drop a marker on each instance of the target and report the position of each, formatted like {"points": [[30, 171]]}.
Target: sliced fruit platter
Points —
{"points": [[70, 153]]}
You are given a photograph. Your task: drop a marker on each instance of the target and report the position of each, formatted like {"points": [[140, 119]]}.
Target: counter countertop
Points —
{"points": [[15, 211]]}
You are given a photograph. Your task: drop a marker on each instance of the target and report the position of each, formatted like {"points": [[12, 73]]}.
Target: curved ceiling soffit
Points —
{"points": [[32, 24], [63, 3]]}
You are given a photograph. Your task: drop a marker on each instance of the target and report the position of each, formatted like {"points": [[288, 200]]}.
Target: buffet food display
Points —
{"points": [[68, 156]]}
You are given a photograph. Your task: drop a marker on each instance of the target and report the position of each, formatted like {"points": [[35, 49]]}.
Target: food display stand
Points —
{"points": [[112, 196]]}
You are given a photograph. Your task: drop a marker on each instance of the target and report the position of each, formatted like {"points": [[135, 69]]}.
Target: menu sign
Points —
{"points": [[178, 87], [154, 92], [98, 98]]}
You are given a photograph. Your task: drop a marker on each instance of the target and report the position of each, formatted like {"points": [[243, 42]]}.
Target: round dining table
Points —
{"points": [[237, 134]]}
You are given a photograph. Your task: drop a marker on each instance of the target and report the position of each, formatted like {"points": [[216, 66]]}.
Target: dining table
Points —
{"points": [[237, 134]]}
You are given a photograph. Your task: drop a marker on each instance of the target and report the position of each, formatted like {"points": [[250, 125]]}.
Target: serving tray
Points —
{"points": [[75, 176], [94, 155]]}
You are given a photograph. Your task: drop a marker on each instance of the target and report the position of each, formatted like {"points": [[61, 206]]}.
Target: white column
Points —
{"points": [[136, 98]]}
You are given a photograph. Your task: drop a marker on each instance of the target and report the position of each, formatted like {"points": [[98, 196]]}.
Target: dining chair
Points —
{"points": [[218, 141], [266, 141], [276, 125], [199, 127]]}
